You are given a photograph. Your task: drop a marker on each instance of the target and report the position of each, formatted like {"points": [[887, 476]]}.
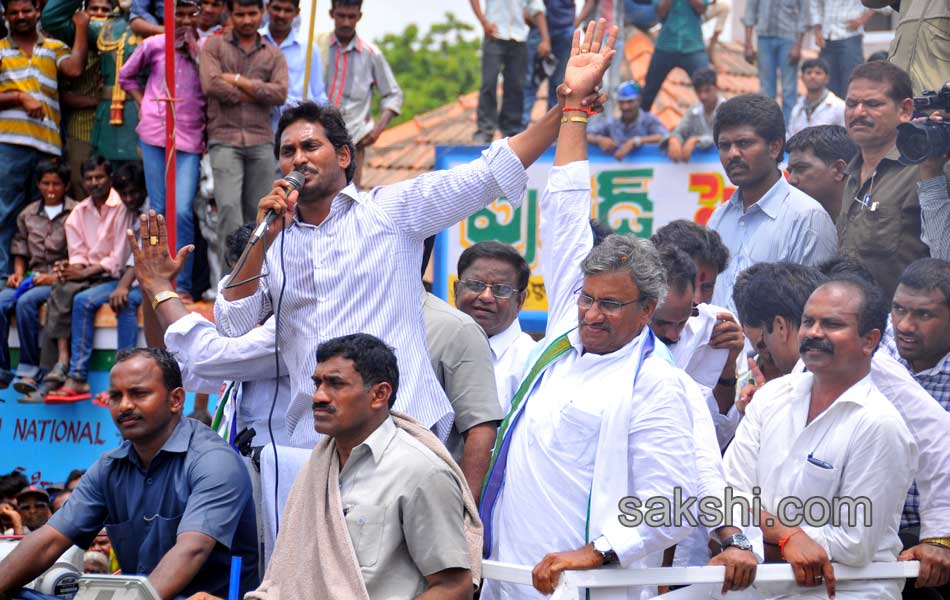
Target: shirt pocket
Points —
{"points": [[576, 433], [141, 543], [878, 231], [365, 524], [817, 482]]}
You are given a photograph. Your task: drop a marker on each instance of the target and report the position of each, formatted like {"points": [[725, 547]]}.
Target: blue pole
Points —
{"points": [[235, 585]]}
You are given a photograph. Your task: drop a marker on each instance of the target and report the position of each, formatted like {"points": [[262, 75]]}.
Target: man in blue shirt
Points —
{"points": [[281, 32], [175, 498], [680, 44], [634, 128]]}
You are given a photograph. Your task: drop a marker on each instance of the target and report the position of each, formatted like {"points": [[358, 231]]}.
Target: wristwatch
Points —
{"points": [[607, 553], [739, 541]]}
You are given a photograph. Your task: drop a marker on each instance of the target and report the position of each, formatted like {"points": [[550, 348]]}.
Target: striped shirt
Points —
{"points": [[777, 18], [358, 271], [833, 16], [34, 75]]}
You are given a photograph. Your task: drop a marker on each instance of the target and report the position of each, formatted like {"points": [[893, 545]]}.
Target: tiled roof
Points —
{"points": [[409, 148]]}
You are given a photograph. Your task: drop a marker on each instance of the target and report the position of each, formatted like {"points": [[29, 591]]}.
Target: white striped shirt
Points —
{"points": [[833, 16], [359, 271]]}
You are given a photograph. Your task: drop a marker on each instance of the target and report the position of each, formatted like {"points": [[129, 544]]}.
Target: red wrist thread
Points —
{"points": [[784, 540], [586, 111]]}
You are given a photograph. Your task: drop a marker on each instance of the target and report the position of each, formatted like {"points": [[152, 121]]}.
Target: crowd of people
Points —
{"points": [[793, 351]]}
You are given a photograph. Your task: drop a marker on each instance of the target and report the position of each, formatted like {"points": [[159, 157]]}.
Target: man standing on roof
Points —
{"points": [[680, 44]]}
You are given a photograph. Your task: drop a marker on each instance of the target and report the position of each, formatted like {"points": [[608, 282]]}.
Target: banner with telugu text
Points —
{"points": [[637, 195]]}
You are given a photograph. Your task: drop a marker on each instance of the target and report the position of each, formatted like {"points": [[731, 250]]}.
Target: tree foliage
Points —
{"points": [[436, 68]]}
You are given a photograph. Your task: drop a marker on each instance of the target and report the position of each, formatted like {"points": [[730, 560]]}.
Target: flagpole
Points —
{"points": [[169, 100], [306, 73]]}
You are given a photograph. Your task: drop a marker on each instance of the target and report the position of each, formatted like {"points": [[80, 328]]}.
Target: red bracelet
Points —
{"points": [[784, 540], [586, 111]]}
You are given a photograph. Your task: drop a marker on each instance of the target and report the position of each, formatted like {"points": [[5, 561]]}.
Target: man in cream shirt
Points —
{"points": [[829, 433]]}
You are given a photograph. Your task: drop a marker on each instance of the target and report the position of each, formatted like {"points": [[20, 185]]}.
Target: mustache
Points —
{"points": [[860, 121], [600, 326], [324, 406], [737, 163], [816, 344], [128, 416]]}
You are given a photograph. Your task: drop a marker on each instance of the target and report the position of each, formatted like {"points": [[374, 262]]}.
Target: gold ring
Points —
{"points": [[153, 240]]}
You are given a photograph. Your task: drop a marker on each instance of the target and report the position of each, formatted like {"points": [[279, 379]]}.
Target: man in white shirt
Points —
{"points": [[776, 295], [705, 341], [828, 433], [839, 33], [572, 445], [819, 105], [491, 288], [766, 220], [505, 50]]}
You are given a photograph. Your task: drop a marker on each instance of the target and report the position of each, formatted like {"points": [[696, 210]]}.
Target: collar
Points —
{"points": [[68, 205], [379, 440], [770, 202], [234, 42], [854, 167], [859, 393], [291, 39], [40, 39], [355, 44], [500, 342], [112, 201], [941, 368], [178, 442], [574, 337], [350, 192]]}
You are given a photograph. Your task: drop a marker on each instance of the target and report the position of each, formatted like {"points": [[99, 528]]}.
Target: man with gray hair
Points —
{"points": [[573, 446]]}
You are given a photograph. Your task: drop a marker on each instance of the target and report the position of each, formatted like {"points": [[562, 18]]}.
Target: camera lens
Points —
{"points": [[913, 142]]}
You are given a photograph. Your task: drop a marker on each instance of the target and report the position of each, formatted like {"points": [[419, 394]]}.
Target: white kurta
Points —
{"points": [[510, 351], [549, 479], [867, 451]]}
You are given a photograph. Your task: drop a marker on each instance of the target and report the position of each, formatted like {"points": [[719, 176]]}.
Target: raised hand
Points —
{"points": [[155, 267], [589, 59]]}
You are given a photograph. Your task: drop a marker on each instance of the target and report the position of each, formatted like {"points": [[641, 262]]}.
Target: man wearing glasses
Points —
{"points": [[880, 212], [492, 286], [601, 415]]}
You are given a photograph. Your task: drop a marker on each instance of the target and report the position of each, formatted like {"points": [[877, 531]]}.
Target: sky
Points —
{"points": [[392, 16]]}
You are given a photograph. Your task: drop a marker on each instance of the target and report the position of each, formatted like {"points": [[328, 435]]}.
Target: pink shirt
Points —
{"points": [[190, 108], [95, 237]]}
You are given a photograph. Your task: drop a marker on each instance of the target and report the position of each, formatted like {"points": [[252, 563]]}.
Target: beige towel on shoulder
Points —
{"points": [[314, 557]]}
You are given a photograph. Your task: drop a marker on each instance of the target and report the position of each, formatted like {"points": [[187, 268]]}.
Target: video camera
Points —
{"points": [[930, 139]]}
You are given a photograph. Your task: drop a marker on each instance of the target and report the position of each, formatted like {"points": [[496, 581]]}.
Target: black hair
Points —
{"points": [[600, 230], [54, 165], [880, 55], [759, 112], [334, 127], [129, 176], [847, 265], [699, 243], [776, 290], [258, 3], [874, 308], [357, 3], [296, 3], [94, 162], [815, 63], [828, 142], [497, 251], [235, 242], [6, 3], [11, 484], [680, 268], [428, 245], [928, 274], [73, 476], [372, 359], [703, 77], [171, 373], [897, 78]]}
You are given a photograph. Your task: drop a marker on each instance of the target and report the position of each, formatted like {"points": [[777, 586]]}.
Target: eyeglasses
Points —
{"points": [[608, 307], [498, 290]]}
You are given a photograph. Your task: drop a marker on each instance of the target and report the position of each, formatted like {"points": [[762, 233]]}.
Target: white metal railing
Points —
{"points": [[572, 582]]}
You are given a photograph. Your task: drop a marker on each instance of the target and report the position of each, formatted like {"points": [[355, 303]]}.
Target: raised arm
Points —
{"points": [[428, 204], [73, 65]]}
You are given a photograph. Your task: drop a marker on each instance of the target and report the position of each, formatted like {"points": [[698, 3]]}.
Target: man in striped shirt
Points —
{"points": [[348, 261], [29, 107]]}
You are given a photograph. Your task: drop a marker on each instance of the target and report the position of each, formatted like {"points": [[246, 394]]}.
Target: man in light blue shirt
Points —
{"points": [[766, 220], [280, 31]]}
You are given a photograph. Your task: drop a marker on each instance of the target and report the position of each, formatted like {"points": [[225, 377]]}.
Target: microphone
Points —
{"points": [[295, 181]]}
